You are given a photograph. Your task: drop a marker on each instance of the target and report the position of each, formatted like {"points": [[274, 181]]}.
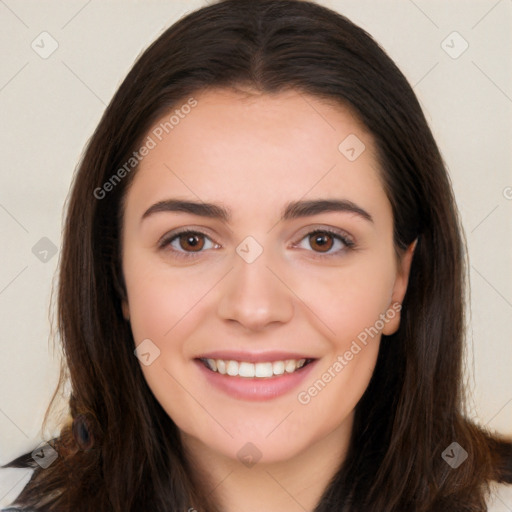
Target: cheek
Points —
{"points": [[348, 300], [160, 299], [165, 309], [350, 308]]}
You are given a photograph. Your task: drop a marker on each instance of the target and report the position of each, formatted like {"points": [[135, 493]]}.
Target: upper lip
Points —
{"points": [[253, 357]]}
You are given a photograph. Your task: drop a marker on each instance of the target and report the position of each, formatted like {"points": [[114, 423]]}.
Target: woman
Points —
{"points": [[261, 285]]}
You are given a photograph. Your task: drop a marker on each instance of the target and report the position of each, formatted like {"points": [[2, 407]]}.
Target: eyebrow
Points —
{"points": [[292, 210]]}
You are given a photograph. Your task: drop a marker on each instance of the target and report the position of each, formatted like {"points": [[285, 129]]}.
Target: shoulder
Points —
{"points": [[12, 509], [12, 483], [500, 499]]}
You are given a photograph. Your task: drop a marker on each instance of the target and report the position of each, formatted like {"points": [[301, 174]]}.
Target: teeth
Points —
{"points": [[278, 367], [221, 366], [246, 370], [232, 368], [263, 369], [289, 366], [260, 370]]}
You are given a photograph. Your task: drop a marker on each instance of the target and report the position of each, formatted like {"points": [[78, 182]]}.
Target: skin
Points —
{"points": [[254, 153]]}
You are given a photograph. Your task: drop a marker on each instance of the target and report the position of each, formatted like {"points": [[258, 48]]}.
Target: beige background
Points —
{"points": [[50, 106]]}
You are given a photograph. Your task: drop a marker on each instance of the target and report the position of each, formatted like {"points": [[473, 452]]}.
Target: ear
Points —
{"points": [[126, 310], [399, 289]]}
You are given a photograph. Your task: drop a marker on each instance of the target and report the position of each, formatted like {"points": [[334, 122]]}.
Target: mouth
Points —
{"points": [[254, 376], [259, 370]]}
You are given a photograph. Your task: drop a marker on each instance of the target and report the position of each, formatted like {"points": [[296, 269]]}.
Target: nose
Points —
{"points": [[254, 296]]}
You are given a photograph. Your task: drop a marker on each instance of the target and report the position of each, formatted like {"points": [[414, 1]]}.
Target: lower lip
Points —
{"points": [[257, 389]]}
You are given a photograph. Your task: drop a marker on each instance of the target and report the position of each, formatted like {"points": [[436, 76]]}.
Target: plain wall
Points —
{"points": [[49, 107]]}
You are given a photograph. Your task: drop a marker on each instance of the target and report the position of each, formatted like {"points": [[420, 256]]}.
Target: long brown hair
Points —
{"points": [[123, 451]]}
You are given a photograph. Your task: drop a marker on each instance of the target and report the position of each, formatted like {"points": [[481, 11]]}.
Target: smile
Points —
{"points": [[254, 370]]}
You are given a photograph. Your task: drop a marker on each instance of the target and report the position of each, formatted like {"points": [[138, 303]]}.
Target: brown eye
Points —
{"points": [[327, 243], [321, 241], [191, 241], [187, 243]]}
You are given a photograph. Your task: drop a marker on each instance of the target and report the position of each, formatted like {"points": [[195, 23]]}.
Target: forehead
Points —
{"points": [[257, 150]]}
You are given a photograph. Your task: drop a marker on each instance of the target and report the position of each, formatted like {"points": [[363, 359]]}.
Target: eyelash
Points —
{"points": [[345, 240]]}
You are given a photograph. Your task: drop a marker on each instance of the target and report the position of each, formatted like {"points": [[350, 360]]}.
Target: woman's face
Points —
{"points": [[271, 256]]}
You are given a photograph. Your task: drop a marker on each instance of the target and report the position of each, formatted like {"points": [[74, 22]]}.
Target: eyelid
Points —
{"points": [[325, 229], [167, 237]]}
